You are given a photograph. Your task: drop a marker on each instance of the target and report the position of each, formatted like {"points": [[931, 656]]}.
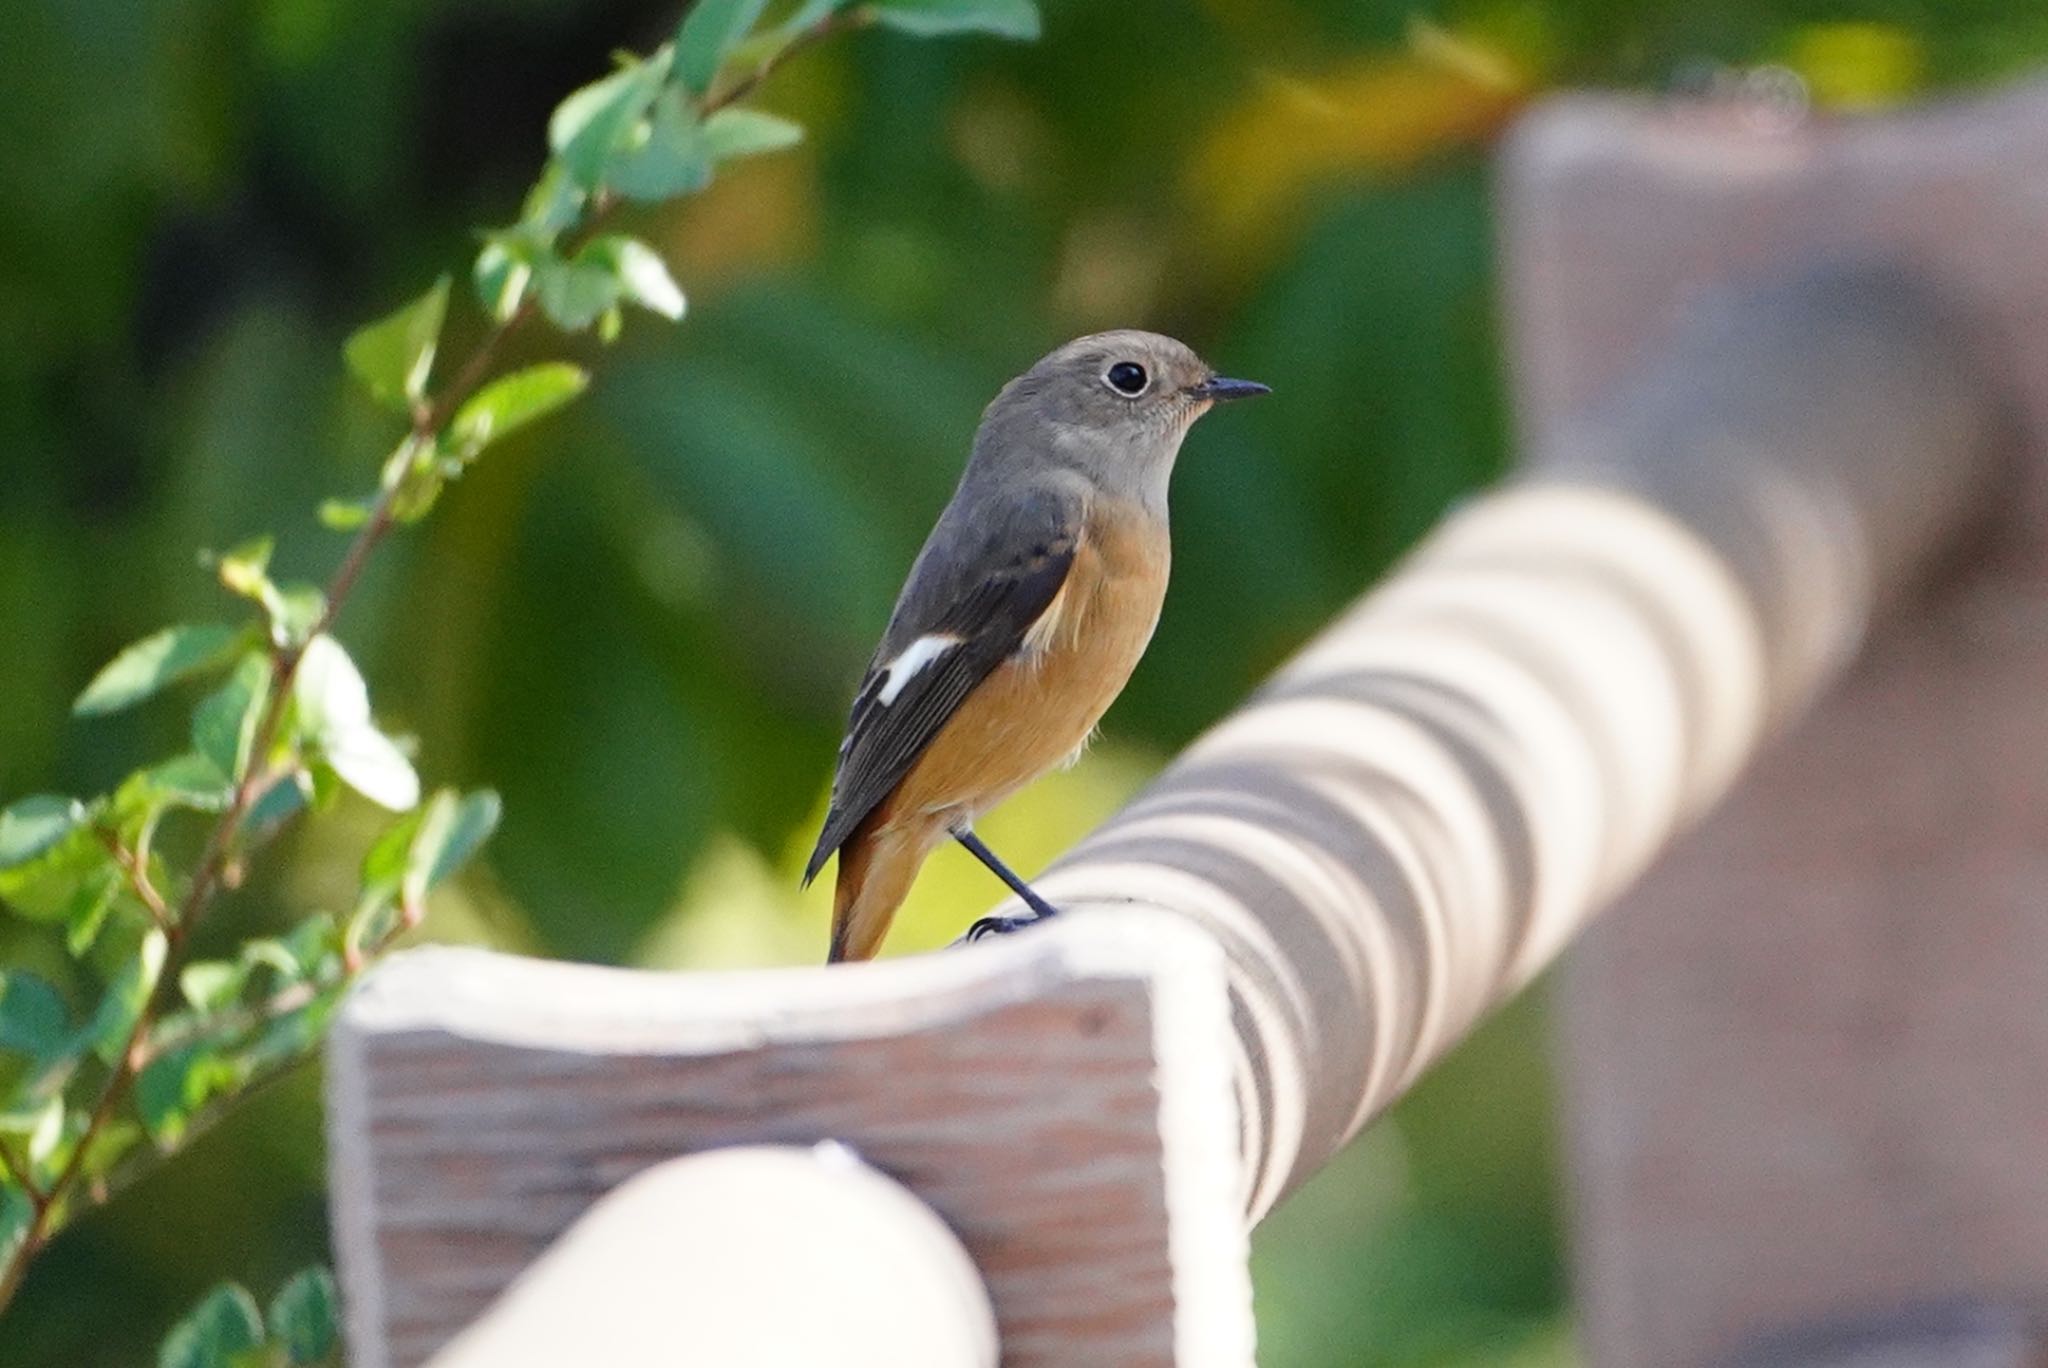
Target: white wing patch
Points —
{"points": [[915, 657]]}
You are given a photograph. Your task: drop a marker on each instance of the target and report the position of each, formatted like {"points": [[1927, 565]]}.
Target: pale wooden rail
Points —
{"points": [[1752, 426]]}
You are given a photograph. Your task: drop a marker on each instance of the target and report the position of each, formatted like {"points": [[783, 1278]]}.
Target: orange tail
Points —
{"points": [[876, 868]]}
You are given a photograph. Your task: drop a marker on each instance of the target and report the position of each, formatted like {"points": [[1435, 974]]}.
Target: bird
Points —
{"points": [[1021, 620]]}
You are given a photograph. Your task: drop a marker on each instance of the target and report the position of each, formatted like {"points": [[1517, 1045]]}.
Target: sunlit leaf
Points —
{"points": [[666, 156], [217, 1333], [934, 18], [395, 355], [305, 1318], [734, 133], [593, 123], [245, 569], [710, 30], [642, 276], [151, 663], [47, 1133], [32, 826], [344, 515], [511, 402], [33, 1021], [329, 689], [372, 764]]}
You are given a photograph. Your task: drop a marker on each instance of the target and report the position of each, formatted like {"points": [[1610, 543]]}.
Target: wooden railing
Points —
{"points": [[1775, 382]]}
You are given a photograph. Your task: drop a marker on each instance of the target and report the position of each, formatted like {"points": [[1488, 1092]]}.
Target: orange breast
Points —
{"points": [[1036, 710]]}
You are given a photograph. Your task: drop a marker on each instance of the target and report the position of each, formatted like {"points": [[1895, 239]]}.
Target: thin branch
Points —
{"points": [[138, 878]]}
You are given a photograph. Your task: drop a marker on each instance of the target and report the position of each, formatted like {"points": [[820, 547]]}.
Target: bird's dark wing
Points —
{"points": [[971, 597]]}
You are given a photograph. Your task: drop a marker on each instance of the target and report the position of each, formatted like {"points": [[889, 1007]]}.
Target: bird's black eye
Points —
{"points": [[1127, 377]]}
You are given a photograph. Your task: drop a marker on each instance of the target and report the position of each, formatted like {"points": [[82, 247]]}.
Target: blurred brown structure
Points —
{"points": [[1778, 378]]}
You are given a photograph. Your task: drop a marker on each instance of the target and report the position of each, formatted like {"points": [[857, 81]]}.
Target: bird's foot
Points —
{"points": [[1003, 926]]}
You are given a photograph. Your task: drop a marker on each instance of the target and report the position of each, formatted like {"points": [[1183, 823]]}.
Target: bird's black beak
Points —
{"points": [[1218, 388]]}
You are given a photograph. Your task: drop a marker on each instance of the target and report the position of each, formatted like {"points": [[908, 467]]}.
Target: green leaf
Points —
{"points": [[594, 122], [372, 764], [108, 1030], [344, 515], [555, 202], [246, 569], [334, 708], [108, 1148], [280, 802], [574, 293], [937, 18], [33, 1021], [306, 952], [504, 271], [298, 608], [395, 355], [385, 862], [33, 827], [664, 156], [224, 726], [451, 829], [642, 276], [305, 1318], [511, 402], [734, 133], [155, 661], [45, 886], [86, 914], [710, 30], [212, 984], [189, 781], [216, 1333], [175, 1086], [811, 12], [47, 1133], [17, 1213]]}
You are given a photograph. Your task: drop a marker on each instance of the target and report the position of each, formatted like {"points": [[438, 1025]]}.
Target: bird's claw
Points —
{"points": [[998, 926]]}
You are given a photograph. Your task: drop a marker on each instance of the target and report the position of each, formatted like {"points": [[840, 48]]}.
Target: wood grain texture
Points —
{"points": [[1808, 1062], [1063, 1102]]}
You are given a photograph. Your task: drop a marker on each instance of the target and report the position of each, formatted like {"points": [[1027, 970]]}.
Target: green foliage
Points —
{"points": [[394, 357], [934, 18], [163, 658], [166, 1037], [301, 1328]]}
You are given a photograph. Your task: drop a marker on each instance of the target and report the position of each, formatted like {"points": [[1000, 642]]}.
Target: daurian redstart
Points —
{"points": [[1021, 621]]}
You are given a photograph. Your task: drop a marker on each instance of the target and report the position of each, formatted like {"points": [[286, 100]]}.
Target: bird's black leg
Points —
{"points": [[999, 926]]}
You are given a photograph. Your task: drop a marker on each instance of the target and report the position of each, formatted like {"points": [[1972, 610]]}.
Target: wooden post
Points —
{"points": [[1808, 1059], [1062, 1101]]}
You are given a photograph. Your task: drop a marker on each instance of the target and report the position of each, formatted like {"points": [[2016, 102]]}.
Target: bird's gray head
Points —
{"points": [[1113, 406]]}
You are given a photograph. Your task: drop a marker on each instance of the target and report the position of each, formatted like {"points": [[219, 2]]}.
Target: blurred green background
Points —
{"points": [[641, 623]]}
